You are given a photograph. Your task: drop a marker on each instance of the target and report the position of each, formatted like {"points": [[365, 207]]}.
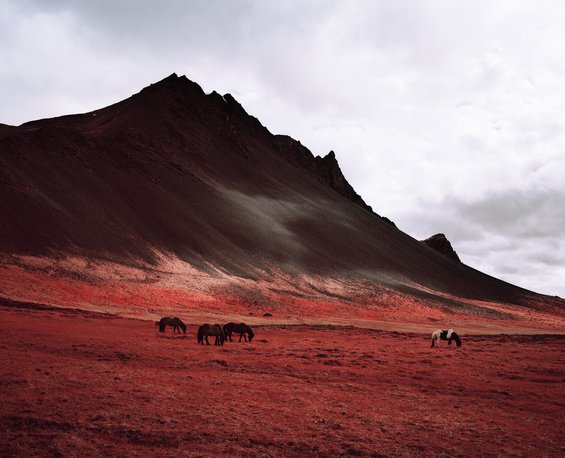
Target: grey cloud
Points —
{"points": [[550, 259], [524, 214]]}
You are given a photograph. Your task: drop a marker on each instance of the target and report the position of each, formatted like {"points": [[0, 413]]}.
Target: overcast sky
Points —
{"points": [[446, 116]]}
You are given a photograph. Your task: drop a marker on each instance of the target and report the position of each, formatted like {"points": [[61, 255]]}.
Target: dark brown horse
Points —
{"points": [[211, 330], [173, 321], [244, 331]]}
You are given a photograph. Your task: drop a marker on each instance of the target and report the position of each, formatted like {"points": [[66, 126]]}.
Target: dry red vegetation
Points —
{"points": [[80, 383]]}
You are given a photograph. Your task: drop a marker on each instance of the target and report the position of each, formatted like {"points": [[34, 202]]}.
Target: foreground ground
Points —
{"points": [[78, 383]]}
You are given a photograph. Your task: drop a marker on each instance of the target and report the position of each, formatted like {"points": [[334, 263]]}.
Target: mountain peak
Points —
{"points": [[175, 83], [329, 171], [441, 244]]}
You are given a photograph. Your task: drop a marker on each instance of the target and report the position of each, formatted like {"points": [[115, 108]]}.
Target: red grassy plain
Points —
{"points": [[339, 369], [80, 383]]}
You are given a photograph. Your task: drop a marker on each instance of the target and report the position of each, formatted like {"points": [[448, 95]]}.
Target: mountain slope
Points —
{"points": [[173, 170]]}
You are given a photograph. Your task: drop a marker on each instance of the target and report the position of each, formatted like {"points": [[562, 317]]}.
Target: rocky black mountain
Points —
{"points": [[174, 170], [440, 243]]}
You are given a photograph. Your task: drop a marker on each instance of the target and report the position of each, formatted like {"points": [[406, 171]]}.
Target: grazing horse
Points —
{"points": [[173, 321], [211, 330], [448, 335], [244, 331]]}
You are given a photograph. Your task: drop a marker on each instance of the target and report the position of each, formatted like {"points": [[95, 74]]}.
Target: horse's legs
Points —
{"points": [[207, 343]]}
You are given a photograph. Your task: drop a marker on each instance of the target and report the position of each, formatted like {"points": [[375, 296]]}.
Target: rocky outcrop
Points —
{"points": [[325, 169], [440, 243], [329, 172]]}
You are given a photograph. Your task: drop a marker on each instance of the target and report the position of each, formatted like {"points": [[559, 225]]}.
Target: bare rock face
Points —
{"points": [[440, 243], [325, 169], [330, 173]]}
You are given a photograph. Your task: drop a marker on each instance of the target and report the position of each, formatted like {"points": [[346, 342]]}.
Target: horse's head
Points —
{"points": [[455, 337], [250, 334]]}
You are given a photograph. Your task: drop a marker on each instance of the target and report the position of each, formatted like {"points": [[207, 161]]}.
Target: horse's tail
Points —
{"points": [[201, 334], [433, 341], [226, 328]]}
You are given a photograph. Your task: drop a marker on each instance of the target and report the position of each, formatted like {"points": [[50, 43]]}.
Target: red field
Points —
{"points": [[78, 383]]}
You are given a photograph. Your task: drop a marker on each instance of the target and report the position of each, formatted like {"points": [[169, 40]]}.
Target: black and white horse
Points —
{"points": [[448, 335]]}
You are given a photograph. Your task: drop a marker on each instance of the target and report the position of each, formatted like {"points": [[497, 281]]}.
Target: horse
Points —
{"points": [[211, 330], [173, 321], [448, 335], [242, 328]]}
